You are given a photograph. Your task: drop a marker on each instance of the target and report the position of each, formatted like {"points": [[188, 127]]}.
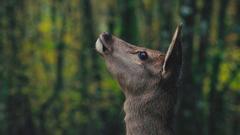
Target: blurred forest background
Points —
{"points": [[52, 81]]}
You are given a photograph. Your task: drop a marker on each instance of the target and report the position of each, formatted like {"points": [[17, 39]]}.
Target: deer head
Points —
{"points": [[148, 79], [138, 69]]}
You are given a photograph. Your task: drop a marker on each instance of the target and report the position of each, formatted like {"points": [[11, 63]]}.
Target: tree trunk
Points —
{"points": [[200, 71], [216, 99], [18, 109], [3, 77], [111, 19], [89, 68], [128, 21], [59, 82], [166, 21], [187, 114]]}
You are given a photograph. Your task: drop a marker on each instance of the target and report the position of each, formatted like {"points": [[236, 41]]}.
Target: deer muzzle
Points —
{"points": [[103, 43]]}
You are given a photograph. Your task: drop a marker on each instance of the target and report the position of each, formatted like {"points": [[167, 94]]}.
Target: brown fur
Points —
{"points": [[149, 85]]}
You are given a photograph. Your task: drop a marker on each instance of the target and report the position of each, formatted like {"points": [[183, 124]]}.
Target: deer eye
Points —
{"points": [[142, 55]]}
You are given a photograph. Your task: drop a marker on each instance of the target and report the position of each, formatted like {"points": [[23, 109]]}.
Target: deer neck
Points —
{"points": [[150, 113]]}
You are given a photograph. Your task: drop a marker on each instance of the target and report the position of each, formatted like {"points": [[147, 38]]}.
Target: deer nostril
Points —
{"points": [[107, 36]]}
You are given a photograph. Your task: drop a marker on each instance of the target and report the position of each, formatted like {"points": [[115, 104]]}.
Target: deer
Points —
{"points": [[148, 79]]}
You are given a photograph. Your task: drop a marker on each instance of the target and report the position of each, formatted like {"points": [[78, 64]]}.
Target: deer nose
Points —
{"points": [[106, 36]]}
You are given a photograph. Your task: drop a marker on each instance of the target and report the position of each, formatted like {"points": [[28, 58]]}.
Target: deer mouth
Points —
{"points": [[101, 44]]}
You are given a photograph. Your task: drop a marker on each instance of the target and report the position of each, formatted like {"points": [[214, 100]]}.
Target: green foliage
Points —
{"points": [[52, 81]]}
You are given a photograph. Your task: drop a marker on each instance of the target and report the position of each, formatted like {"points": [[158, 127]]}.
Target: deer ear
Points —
{"points": [[173, 58]]}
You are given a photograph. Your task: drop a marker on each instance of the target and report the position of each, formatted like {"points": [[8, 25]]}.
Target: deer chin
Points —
{"points": [[102, 47]]}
